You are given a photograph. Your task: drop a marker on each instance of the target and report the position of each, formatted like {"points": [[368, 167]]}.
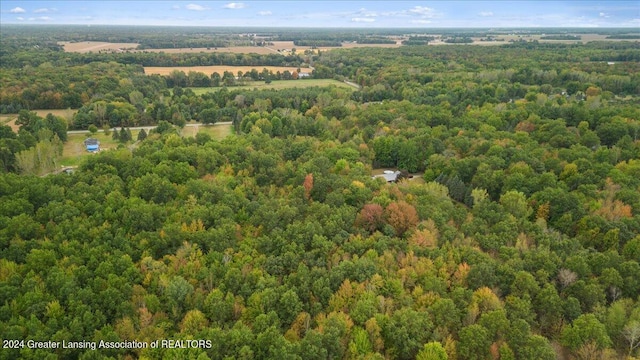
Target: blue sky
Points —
{"points": [[382, 14]]}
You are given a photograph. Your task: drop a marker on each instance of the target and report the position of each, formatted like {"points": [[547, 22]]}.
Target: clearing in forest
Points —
{"points": [[95, 46], [74, 149], [220, 69], [276, 85], [10, 119]]}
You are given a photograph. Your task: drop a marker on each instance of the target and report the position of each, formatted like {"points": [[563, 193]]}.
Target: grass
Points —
{"points": [[277, 85], [220, 69], [74, 150], [217, 132], [9, 119]]}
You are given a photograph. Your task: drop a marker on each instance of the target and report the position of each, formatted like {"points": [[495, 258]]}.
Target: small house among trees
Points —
{"points": [[92, 144], [389, 175]]}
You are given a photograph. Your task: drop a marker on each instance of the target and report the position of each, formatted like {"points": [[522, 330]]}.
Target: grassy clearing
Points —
{"points": [[220, 69], [277, 85], [95, 46], [74, 150], [217, 132], [10, 119]]}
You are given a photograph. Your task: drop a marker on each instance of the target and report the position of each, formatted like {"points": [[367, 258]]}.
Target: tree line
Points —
{"points": [[518, 239]]}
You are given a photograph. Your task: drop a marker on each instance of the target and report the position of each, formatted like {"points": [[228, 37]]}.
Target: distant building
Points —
{"points": [[92, 144], [303, 75]]}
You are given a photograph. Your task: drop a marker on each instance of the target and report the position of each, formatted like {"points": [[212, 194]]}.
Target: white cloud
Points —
{"points": [[175, 7], [44, 18], [20, 18], [17, 10], [196, 7], [604, 15], [363, 19], [366, 13], [423, 11], [235, 6], [421, 22], [485, 13], [43, 10], [265, 13]]}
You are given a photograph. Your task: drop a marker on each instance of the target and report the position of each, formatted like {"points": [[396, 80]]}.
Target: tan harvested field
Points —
{"points": [[284, 47], [278, 47], [232, 49], [585, 38], [95, 46], [220, 69], [10, 119]]}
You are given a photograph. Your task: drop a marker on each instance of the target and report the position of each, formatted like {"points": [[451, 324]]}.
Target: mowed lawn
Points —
{"points": [[74, 150], [277, 85], [217, 132]]}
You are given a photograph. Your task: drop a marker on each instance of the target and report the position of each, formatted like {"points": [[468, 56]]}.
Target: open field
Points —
{"points": [[220, 69], [10, 119], [95, 46], [277, 85], [74, 150], [217, 132], [277, 47], [585, 38], [232, 49], [286, 46]]}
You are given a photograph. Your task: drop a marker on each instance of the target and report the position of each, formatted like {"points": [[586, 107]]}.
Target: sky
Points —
{"points": [[324, 14]]}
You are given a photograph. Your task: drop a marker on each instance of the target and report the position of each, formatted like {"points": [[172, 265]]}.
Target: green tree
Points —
{"points": [[432, 351], [406, 331], [474, 343], [585, 329], [142, 135]]}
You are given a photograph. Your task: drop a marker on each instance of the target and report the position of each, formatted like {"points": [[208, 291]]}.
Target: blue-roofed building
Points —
{"points": [[92, 144]]}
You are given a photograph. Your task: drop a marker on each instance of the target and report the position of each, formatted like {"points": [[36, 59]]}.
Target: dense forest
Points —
{"points": [[516, 237]]}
